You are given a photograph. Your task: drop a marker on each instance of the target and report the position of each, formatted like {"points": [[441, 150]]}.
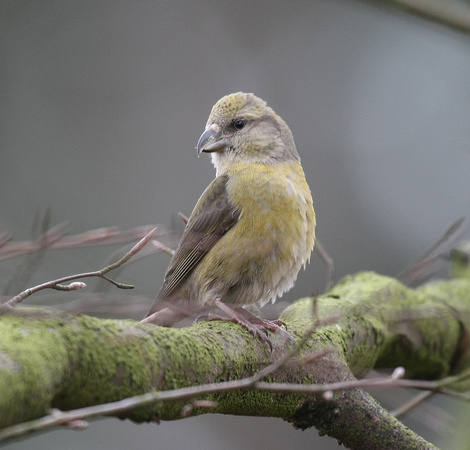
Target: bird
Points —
{"points": [[252, 229]]}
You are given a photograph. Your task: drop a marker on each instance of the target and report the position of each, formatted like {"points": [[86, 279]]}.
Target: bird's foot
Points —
{"points": [[256, 325]]}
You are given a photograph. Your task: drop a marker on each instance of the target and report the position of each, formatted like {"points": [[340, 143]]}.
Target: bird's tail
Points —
{"points": [[167, 312]]}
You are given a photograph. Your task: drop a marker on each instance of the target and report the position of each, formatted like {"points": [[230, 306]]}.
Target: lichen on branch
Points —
{"points": [[49, 359]]}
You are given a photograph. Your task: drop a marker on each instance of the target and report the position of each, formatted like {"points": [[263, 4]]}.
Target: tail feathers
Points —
{"points": [[166, 317], [167, 312]]}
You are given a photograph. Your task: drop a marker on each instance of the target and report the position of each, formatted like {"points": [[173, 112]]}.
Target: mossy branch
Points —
{"points": [[50, 359]]}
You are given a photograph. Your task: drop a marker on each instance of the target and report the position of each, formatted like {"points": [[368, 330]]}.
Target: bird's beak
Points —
{"points": [[211, 141]]}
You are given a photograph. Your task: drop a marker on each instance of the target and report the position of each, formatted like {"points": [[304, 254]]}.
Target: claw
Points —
{"points": [[256, 325]]}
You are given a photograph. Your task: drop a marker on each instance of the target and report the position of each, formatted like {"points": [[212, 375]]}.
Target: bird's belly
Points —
{"points": [[259, 258], [246, 268]]}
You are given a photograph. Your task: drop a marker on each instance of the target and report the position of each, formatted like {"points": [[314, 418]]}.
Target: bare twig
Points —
{"points": [[193, 404], [183, 217], [330, 267], [99, 236], [153, 247], [413, 403], [161, 247], [43, 238], [137, 247], [189, 393], [421, 266], [73, 286], [63, 418], [5, 238]]}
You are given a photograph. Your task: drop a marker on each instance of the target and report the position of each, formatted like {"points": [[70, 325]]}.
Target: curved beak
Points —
{"points": [[211, 141]]}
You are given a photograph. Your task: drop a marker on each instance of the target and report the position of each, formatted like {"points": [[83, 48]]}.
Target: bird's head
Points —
{"points": [[243, 129]]}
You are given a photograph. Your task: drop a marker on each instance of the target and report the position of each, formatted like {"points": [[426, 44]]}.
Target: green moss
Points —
{"points": [[29, 368], [50, 359]]}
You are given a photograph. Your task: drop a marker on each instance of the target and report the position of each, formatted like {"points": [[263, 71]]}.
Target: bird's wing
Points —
{"points": [[213, 215]]}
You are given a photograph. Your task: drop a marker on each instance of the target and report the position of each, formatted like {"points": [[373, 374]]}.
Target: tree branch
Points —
{"points": [[57, 284], [50, 360]]}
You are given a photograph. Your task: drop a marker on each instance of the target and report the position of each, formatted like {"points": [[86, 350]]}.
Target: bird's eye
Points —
{"points": [[239, 124]]}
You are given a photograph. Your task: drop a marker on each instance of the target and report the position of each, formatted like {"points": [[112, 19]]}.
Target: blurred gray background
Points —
{"points": [[102, 104]]}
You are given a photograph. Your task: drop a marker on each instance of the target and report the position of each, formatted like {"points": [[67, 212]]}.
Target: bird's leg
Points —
{"points": [[252, 317], [252, 323]]}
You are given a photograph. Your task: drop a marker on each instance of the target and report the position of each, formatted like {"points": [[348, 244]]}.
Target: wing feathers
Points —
{"points": [[213, 216]]}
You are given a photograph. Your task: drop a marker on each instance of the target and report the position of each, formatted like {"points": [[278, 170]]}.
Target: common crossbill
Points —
{"points": [[253, 227]]}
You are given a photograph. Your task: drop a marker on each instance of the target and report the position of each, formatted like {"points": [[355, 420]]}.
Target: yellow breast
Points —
{"points": [[259, 258]]}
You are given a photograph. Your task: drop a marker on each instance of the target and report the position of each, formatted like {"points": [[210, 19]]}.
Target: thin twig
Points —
{"points": [[330, 267], [99, 236], [136, 248], [44, 237], [413, 403], [99, 274], [62, 418], [161, 247], [5, 238], [420, 267], [462, 396], [183, 217], [193, 404]]}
